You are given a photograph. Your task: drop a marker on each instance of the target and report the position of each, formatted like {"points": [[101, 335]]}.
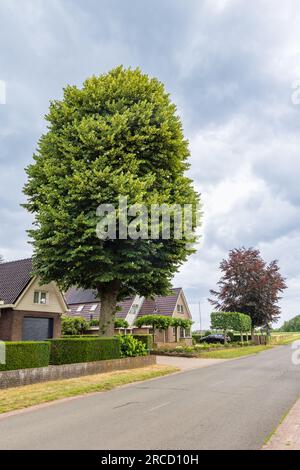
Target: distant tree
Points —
{"points": [[118, 135], [249, 285], [291, 325]]}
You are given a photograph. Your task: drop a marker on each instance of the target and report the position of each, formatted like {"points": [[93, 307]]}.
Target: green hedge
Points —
{"points": [[74, 350], [146, 339], [26, 355]]}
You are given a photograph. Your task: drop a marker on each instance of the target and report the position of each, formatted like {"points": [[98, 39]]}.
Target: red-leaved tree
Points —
{"points": [[249, 285]]}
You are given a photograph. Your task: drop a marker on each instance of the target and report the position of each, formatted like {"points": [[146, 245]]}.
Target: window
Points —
{"points": [[180, 308], [40, 297], [93, 308], [80, 308]]}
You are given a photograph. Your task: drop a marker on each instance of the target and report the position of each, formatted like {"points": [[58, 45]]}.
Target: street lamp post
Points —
{"points": [[200, 318]]}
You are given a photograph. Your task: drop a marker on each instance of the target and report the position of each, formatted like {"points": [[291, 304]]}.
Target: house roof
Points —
{"points": [[160, 305], [14, 277]]}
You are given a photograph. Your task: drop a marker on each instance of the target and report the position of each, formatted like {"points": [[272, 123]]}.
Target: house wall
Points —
{"points": [[170, 334], [6, 321], [11, 322], [53, 305]]}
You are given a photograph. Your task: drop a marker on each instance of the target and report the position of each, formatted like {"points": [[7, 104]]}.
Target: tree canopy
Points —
{"points": [[118, 135], [249, 285]]}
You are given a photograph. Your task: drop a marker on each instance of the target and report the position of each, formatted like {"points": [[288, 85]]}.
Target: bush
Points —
{"points": [[26, 355], [74, 350], [131, 347], [73, 325], [146, 339], [196, 338], [121, 323]]}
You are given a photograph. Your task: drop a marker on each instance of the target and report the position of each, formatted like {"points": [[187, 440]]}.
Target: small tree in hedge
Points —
{"points": [[73, 325], [231, 321], [157, 322], [180, 323]]}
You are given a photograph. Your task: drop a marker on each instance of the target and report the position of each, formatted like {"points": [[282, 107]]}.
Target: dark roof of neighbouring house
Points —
{"points": [[160, 305], [14, 278], [81, 296]]}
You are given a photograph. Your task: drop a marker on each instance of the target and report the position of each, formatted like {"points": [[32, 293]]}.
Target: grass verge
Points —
{"points": [[22, 397], [231, 353], [280, 339]]}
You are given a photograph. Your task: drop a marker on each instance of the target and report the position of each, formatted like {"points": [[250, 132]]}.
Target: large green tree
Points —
{"points": [[118, 135]]}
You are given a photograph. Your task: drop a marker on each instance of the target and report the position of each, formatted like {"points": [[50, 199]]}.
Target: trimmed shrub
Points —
{"points": [[233, 321], [74, 350], [158, 322], [73, 325], [26, 355], [146, 339], [131, 347], [121, 323]]}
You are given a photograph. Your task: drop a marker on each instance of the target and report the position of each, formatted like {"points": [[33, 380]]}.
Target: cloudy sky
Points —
{"points": [[233, 69]]}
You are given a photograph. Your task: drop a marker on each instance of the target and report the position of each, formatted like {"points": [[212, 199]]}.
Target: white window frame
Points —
{"points": [[39, 294]]}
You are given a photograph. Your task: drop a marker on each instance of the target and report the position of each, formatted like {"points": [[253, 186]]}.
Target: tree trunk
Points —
{"points": [[242, 337], [176, 334], [108, 295]]}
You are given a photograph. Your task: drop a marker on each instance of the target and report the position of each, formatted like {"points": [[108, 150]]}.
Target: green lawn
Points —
{"points": [[234, 352], [29, 395]]}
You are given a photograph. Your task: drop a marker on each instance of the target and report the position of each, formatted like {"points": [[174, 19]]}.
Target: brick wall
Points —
{"points": [[16, 378]]}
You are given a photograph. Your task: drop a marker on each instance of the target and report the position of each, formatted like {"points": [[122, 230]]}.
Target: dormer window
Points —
{"points": [[80, 308], [93, 307], [40, 297]]}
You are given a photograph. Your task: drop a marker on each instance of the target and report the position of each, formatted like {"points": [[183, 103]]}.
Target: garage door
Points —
{"points": [[37, 329]]}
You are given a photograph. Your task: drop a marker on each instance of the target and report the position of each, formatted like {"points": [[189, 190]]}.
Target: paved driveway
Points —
{"points": [[233, 405], [186, 363]]}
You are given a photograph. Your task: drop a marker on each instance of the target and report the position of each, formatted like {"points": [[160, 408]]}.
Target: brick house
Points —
{"points": [[84, 303], [28, 310]]}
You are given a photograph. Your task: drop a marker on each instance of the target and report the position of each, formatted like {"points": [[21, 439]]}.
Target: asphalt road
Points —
{"points": [[233, 405]]}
